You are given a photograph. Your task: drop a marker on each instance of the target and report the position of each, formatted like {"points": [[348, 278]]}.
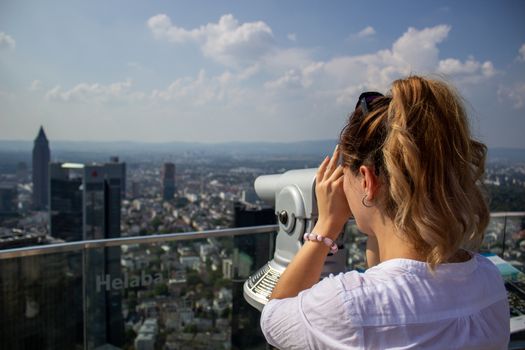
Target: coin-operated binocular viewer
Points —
{"points": [[293, 194]]}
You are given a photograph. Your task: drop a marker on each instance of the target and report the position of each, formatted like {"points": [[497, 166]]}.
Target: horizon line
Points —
{"points": [[166, 142], [212, 143]]}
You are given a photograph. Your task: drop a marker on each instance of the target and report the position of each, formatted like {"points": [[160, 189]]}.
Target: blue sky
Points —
{"points": [[218, 71]]}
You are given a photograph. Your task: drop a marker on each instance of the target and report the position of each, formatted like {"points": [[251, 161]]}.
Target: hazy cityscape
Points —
{"points": [[164, 295], [206, 184]]}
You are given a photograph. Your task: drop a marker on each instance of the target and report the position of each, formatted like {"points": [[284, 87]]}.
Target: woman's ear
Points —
{"points": [[369, 182]]}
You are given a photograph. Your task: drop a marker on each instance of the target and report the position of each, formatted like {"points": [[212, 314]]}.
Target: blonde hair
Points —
{"points": [[418, 141]]}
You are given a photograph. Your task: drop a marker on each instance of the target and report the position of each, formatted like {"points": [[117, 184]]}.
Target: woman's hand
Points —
{"points": [[332, 204], [305, 269]]}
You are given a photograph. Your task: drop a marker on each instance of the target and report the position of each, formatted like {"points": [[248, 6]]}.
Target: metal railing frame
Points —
{"points": [[112, 242], [168, 237]]}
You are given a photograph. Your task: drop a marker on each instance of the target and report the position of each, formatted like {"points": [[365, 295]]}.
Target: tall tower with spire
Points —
{"points": [[41, 156]]}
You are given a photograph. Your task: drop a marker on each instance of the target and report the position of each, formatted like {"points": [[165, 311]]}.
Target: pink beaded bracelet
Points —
{"points": [[328, 241]]}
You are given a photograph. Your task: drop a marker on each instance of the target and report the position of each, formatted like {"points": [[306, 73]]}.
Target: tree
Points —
{"points": [[161, 289]]}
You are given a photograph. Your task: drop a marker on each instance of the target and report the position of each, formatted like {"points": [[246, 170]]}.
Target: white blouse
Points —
{"points": [[398, 304]]}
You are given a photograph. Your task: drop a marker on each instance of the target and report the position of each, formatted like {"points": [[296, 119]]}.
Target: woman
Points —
{"points": [[409, 176]]}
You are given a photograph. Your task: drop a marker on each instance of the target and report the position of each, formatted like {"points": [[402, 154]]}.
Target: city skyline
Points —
{"points": [[170, 293], [250, 72]]}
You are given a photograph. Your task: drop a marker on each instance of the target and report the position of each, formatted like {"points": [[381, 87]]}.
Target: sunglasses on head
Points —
{"points": [[365, 99]]}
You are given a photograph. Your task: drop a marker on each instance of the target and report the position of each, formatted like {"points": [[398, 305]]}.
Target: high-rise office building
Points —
{"points": [[66, 213], [21, 171], [85, 205], [85, 200], [258, 248], [8, 202], [53, 297], [135, 189], [102, 199], [114, 162], [168, 181], [41, 156], [8, 199]]}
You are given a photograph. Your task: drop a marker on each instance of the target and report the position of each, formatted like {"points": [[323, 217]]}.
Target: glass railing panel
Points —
{"points": [[176, 294], [505, 237], [184, 294], [494, 239], [514, 241], [41, 302]]}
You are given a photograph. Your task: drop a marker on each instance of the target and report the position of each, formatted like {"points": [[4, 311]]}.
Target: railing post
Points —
{"points": [[504, 235]]}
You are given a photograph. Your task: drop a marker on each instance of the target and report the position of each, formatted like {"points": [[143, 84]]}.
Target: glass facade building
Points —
{"points": [[168, 181]]}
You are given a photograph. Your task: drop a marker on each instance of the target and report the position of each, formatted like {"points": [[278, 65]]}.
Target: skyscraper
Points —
{"points": [[135, 189], [85, 200], [41, 156], [52, 283], [21, 171], [66, 212], [103, 308], [114, 162], [246, 332], [85, 205], [168, 181], [8, 199]]}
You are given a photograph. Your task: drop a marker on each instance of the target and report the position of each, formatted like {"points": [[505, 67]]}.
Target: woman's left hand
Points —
{"points": [[332, 204]]}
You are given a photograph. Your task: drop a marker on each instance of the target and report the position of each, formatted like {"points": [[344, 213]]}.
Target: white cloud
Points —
{"points": [[292, 36], [340, 79], [366, 32], [283, 85], [282, 60], [35, 85], [188, 91], [196, 91], [271, 79], [93, 93], [418, 48], [162, 28], [6, 41], [252, 45], [6, 95], [487, 68], [514, 94], [521, 52], [453, 66], [290, 79], [224, 89], [414, 52], [226, 41]]}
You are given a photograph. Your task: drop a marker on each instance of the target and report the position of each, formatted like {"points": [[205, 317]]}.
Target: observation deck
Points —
{"points": [[164, 291]]}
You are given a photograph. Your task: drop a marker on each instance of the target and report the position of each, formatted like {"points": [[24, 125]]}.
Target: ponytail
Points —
{"points": [[431, 167]]}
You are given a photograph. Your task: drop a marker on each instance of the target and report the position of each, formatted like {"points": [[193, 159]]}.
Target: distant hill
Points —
{"points": [[264, 148], [506, 154], [126, 148]]}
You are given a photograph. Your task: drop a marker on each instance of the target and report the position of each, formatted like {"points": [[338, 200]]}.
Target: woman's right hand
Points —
{"points": [[332, 204]]}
